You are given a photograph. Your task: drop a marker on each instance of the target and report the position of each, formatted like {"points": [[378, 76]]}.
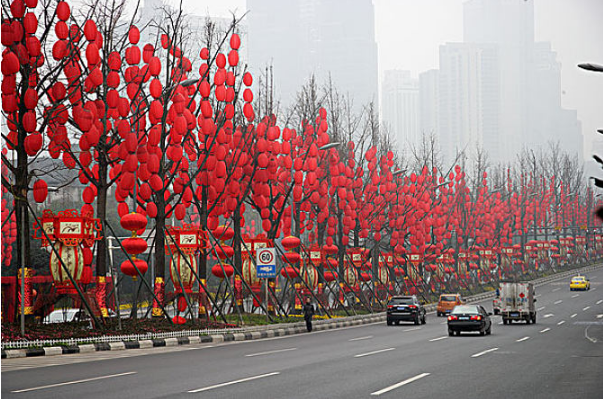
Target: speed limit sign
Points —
{"points": [[266, 263]]}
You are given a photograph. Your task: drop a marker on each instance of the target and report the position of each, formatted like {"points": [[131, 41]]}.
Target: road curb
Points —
{"points": [[252, 333]]}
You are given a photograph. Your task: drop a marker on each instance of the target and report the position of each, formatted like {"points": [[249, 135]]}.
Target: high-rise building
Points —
{"points": [[299, 38], [499, 89], [467, 97], [400, 106], [429, 102]]}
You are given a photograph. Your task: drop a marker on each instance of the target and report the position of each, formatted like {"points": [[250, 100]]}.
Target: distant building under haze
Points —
{"points": [[400, 106], [298, 38]]}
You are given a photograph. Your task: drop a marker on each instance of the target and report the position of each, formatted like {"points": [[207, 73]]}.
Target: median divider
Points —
{"points": [[251, 332]]}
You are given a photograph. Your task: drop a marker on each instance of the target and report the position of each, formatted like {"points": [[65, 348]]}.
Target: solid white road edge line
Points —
{"points": [[523, 339], [234, 382], [374, 352], [270, 352], [74, 382], [545, 330], [361, 338], [484, 352], [398, 385], [437, 339]]}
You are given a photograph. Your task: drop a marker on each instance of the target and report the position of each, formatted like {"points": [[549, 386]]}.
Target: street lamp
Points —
{"points": [[329, 146], [591, 67]]}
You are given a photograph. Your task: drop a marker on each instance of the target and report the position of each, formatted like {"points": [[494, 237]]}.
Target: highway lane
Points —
{"points": [[548, 359]]}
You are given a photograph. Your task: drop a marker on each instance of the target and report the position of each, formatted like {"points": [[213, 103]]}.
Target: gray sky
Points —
{"points": [[409, 32]]}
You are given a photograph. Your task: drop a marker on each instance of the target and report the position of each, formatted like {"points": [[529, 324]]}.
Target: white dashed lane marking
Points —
{"points": [[398, 385], [484, 352]]}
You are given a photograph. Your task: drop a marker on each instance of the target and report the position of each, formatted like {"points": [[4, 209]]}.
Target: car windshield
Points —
{"points": [[448, 298], [578, 279], [465, 310], [401, 301]]}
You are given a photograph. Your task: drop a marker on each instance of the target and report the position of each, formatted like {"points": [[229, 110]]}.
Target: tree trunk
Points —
{"points": [[159, 256], [101, 252]]}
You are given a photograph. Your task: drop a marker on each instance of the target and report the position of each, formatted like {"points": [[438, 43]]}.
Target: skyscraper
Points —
{"points": [[499, 89], [304, 37], [468, 97], [429, 102], [400, 106]]}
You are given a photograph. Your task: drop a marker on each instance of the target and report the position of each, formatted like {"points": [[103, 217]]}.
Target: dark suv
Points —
{"points": [[405, 308]]}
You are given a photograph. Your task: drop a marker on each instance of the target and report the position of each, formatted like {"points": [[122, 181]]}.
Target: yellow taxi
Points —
{"points": [[579, 283]]}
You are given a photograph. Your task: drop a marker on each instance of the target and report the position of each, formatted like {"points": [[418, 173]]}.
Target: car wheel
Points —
{"points": [[534, 319], [482, 332], [489, 330], [417, 321], [528, 320], [389, 322], [450, 333], [423, 321], [504, 321]]}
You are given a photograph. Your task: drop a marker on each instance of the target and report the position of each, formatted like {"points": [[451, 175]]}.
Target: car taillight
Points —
{"points": [[476, 317], [453, 318], [412, 307], [390, 306]]}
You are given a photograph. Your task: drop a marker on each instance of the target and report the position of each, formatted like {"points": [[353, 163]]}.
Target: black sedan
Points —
{"points": [[469, 318], [405, 308]]}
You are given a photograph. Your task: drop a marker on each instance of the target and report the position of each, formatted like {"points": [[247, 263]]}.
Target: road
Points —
{"points": [[559, 357]]}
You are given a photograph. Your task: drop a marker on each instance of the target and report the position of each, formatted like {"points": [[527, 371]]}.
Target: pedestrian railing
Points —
{"points": [[115, 338]]}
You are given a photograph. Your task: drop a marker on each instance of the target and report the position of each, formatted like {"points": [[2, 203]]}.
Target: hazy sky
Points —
{"points": [[409, 32]]}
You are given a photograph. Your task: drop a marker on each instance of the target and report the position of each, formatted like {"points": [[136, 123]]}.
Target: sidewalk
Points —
{"points": [[245, 333]]}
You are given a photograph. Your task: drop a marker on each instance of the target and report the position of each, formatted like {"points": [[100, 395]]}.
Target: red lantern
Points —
{"points": [[291, 257], [128, 268], [330, 276], [224, 251], [222, 271], [133, 221], [40, 191], [290, 242], [223, 233], [289, 272]]}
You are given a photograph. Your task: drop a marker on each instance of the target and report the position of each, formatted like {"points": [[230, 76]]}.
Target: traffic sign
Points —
{"points": [[266, 263]]}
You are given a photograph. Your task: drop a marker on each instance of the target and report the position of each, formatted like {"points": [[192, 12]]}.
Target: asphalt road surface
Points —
{"points": [[559, 357]]}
